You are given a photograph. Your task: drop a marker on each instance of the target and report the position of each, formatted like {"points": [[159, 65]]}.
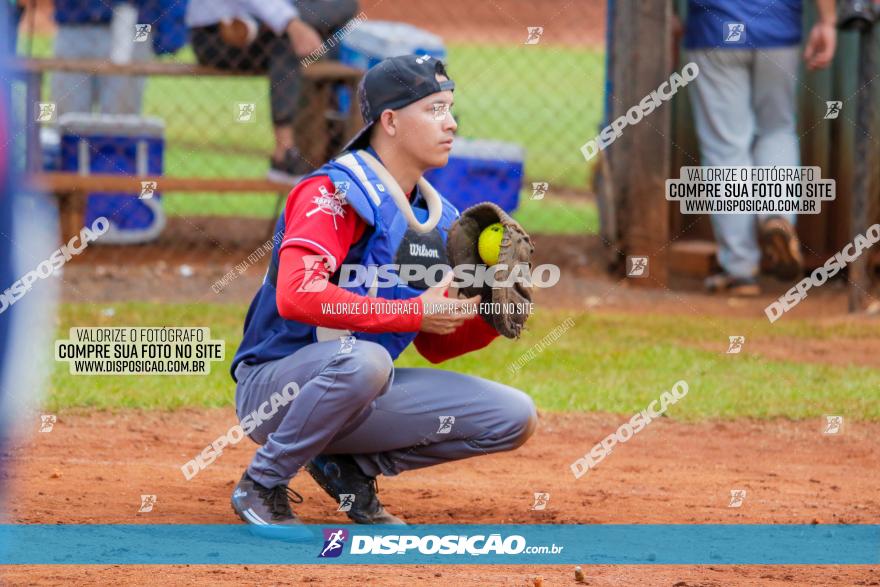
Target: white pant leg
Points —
{"points": [[78, 92], [774, 104], [721, 96], [123, 94]]}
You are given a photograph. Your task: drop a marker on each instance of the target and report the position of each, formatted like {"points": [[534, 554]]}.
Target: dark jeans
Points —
{"points": [[273, 54]]}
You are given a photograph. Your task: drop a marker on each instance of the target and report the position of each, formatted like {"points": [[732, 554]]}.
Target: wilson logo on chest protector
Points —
{"points": [[420, 250]]}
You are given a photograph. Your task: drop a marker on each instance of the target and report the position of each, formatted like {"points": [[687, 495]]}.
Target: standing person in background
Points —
{"points": [[745, 113], [106, 30], [85, 32], [275, 35]]}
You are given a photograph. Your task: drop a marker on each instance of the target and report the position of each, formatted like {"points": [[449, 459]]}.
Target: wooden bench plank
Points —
{"points": [[66, 182], [693, 258], [72, 188], [321, 70]]}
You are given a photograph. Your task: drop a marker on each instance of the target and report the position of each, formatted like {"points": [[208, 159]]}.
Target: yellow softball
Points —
{"points": [[489, 243]]}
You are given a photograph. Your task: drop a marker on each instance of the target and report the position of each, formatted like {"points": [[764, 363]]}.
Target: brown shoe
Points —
{"points": [[780, 245], [741, 287]]}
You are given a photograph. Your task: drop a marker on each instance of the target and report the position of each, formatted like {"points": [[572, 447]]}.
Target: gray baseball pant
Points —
{"points": [[745, 114], [353, 401]]}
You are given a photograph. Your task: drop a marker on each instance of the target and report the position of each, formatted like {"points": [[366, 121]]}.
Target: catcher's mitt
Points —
{"points": [[510, 305]]}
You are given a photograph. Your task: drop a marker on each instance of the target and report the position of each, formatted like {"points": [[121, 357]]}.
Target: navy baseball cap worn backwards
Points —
{"points": [[394, 83]]}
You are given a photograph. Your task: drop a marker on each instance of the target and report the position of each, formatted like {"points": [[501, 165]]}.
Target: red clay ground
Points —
{"points": [[670, 473], [550, 576], [565, 22]]}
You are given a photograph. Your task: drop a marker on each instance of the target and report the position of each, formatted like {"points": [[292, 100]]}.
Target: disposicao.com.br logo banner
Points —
{"points": [[431, 544], [521, 544]]}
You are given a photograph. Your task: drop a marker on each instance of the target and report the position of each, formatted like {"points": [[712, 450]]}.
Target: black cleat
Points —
{"points": [[267, 509], [340, 475]]}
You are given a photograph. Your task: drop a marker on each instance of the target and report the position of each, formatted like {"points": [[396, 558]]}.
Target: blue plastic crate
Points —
{"points": [[120, 145], [481, 171]]}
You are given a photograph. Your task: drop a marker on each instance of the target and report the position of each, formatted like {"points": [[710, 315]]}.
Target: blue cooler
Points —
{"points": [[481, 171], [374, 40], [121, 144]]}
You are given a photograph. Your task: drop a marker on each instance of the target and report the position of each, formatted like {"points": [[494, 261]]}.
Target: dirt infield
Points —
{"points": [[380, 576], [565, 22], [670, 473]]}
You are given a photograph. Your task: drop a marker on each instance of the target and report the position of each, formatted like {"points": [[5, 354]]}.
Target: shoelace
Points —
{"points": [[374, 502], [279, 499], [293, 496]]}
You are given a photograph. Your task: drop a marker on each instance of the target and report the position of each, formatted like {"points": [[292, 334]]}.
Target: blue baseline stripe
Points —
{"points": [[615, 544]]}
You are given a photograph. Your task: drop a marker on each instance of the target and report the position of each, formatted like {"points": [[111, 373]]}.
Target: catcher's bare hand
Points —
{"points": [[304, 39], [442, 315]]}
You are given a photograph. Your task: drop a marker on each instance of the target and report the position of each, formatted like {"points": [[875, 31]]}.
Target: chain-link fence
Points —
{"points": [[528, 76]]}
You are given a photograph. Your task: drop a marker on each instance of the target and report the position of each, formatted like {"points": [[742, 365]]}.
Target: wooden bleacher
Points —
{"points": [[312, 131]]}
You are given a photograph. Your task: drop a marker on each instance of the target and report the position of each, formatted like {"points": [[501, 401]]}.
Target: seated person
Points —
{"points": [[286, 32]]}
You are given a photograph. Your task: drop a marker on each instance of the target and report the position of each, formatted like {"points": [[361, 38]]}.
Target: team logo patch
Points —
{"points": [[328, 203]]}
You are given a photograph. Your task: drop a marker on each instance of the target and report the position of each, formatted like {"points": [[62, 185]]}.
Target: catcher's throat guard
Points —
{"points": [[432, 198]]}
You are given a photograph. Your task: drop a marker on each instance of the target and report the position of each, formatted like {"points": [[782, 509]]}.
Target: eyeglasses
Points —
{"points": [[441, 110]]}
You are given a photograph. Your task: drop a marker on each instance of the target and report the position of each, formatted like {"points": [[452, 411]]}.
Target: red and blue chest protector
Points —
{"points": [[388, 240]]}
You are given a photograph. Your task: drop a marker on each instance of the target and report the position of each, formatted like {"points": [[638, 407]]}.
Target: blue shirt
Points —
{"points": [[743, 24], [168, 34]]}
